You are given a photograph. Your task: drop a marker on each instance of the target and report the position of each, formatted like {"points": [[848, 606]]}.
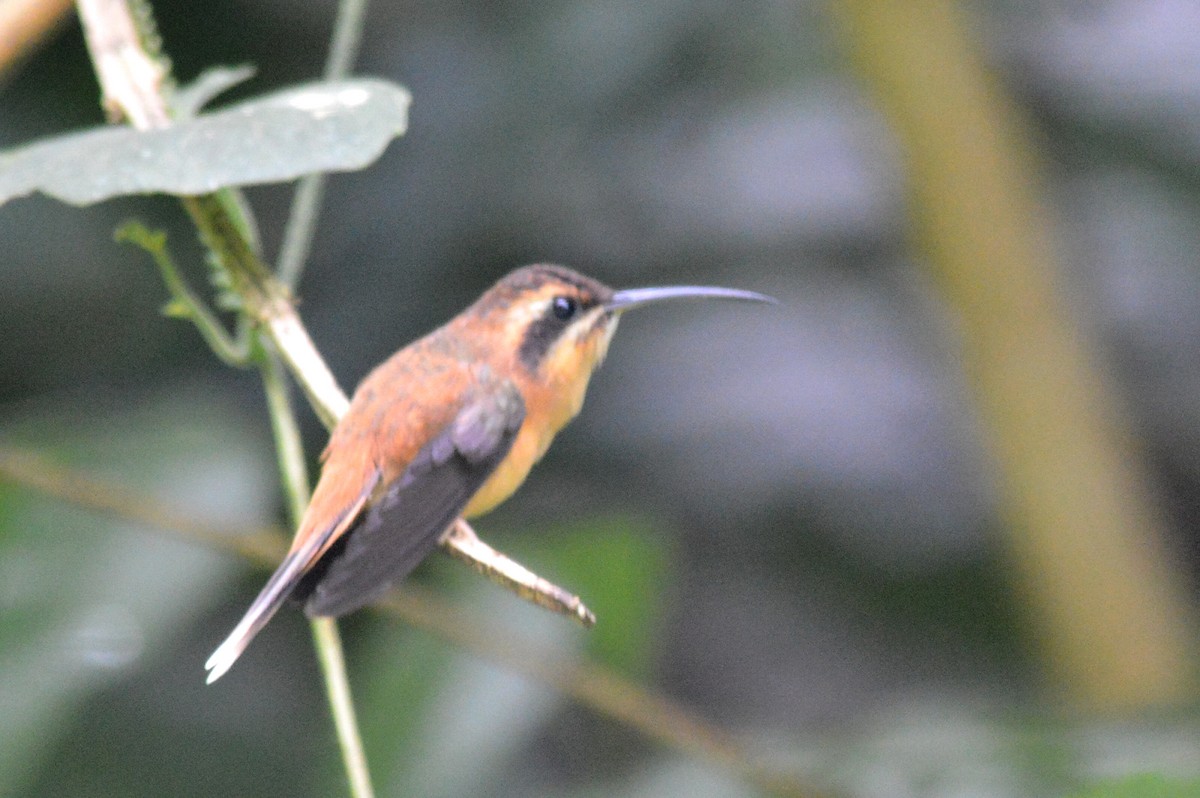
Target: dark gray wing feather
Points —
{"points": [[404, 525]]}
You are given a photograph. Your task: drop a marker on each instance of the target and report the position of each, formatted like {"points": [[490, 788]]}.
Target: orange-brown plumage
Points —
{"points": [[448, 426], [383, 430]]}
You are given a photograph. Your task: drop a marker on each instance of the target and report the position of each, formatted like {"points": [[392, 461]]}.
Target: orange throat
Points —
{"points": [[553, 396]]}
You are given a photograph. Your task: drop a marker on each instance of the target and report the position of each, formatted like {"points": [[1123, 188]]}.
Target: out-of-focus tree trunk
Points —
{"points": [[1113, 619]]}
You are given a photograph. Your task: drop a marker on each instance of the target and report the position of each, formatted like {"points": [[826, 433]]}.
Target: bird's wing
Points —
{"points": [[403, 524]]}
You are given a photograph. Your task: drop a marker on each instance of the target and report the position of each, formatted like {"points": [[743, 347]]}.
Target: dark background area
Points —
{"points": [[804, 492]]}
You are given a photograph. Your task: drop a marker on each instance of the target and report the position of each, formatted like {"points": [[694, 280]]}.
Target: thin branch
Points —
{"points": [[289, 448], [462, 542], [305, 363], [184, 303], [132, 82], [328, 643], [347, 35], [652, 714], [263, 547], [302, 220], [301, 226]]}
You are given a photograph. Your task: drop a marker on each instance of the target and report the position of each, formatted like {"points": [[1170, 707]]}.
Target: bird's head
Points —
{"points": [[558, 322]]}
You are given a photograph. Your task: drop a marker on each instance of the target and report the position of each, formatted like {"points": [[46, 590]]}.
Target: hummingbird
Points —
{"points": [[448, 426]]}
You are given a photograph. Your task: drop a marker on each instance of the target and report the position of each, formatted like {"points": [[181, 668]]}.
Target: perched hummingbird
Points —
{"points": [[448, 426]]}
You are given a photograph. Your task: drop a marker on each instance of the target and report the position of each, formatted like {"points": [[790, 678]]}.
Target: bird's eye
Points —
{"points": [[564, 307]]}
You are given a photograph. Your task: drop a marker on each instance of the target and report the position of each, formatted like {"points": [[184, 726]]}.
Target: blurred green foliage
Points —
{"points": [[89, 601], [620, 566], [1146, 785], [103, 626]]}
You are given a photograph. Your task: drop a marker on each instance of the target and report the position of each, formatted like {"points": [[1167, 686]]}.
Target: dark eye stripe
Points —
{"points": [[544, 331]]}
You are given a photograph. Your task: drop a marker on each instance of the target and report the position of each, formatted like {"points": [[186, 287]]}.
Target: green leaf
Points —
{"points": [[319, 127]]}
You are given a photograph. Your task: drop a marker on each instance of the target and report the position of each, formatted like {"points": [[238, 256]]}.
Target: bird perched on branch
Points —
{"points": [[448, 426]]}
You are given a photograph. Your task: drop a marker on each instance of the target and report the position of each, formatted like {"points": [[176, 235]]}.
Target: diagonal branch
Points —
{"points": [[594, 686]]}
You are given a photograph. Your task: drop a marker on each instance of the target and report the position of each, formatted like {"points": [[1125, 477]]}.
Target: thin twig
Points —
{"points": [[289, 448], [301, 225], [600, 689], [184, 302], [328, 643], [33, 470], [505, 571], [596, 687], [326, 639], [347, 35], [132, 83], [302, 219], [305, 363]]}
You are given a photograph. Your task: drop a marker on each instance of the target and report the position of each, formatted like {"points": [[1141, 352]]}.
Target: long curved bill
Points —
{"points": [[636, 297]]}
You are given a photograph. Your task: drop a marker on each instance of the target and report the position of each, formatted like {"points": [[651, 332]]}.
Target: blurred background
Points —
{"points": [[821, 526]]}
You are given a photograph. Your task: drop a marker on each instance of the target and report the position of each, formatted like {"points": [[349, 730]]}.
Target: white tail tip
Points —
{"points": [[273, 594], [226, 654]]}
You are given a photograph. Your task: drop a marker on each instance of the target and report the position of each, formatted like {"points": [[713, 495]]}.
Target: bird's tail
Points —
{"points": [[306, 550], [270, 599]]}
